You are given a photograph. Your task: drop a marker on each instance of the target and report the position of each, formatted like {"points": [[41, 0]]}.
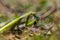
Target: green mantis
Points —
{"points": [[14, 22]]}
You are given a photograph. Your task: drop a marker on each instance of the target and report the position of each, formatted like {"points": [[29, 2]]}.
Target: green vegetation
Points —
{"points": [[29, 21]]}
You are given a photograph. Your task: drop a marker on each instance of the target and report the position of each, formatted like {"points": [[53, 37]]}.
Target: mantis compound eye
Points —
{"points": [[36, 17]]}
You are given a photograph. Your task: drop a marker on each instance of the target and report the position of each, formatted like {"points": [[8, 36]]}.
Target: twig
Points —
{"points": [[51, 11]]}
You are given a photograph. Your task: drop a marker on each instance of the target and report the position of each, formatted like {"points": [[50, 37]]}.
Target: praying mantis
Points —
{"points": [[15, 22]]}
